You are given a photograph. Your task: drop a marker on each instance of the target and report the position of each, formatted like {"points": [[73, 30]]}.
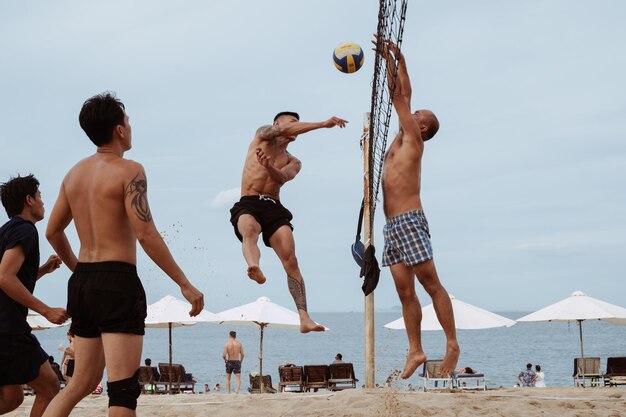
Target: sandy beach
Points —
{"points": [[610, 402]]}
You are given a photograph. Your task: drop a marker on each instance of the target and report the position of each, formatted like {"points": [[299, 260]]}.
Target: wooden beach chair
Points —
{"points": [[147, 380], [316, 377], [174, 379], [587, 368], [430, 374], [341, 376], [186, 381], [615, 371], [167, 382], [255, 384], [292, 377]]}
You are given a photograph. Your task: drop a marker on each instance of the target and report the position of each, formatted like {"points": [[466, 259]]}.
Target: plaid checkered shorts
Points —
{"points": [[407, 239]]}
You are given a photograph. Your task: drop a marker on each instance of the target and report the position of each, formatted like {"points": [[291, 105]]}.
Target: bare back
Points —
{"points": [[256, 179], [233, 350], [95, 189], [402, 174]]}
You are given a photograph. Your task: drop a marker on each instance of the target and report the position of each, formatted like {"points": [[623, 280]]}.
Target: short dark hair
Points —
{"points": [[538, 368], [287, 113], [148, 361], [13, 193], [233, 333], [99, 116], [339, 356], [529, 365]]}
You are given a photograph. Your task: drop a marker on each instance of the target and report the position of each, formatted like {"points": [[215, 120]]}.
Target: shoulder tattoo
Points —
{"points": [[268, 131], [137, 190]]}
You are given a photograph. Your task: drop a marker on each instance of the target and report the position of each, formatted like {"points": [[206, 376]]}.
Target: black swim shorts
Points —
{"points": [[21, 357], [233, 366], [268, 212], [106, 297]]}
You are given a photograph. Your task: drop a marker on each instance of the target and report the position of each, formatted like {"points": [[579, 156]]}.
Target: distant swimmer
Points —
{"points": [[107, 197], [408, 251], [267, 168]]}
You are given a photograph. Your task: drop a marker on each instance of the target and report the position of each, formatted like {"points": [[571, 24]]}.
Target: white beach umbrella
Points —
{"points": [[171, 312], [262, 313], [578, 307], [466, 316], [38, 322]]}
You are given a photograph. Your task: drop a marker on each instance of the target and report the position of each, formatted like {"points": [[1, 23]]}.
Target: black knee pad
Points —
{"points": [[124, 393]]}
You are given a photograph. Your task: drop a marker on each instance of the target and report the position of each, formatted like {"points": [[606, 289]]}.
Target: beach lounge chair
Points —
{"points": [[615, 371], [430, 374], [587, 368], [470, 381], [174, 379], [255, 384], [341, 376], [292, 377], [316, 377], [147, 380]]}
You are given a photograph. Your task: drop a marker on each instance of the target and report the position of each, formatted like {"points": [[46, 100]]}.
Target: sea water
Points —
{"points": [[498, 353]]}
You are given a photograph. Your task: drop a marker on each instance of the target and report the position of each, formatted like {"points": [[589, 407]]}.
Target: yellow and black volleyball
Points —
{"points": [[348, 57]]}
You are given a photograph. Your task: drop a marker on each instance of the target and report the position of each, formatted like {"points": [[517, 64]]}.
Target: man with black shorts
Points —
{"points": [[408, 251], [267, 168], [22, 360], [106, 196], [233, 356]]}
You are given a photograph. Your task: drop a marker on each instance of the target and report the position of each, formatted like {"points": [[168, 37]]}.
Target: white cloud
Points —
{"points": [[225, 198]]}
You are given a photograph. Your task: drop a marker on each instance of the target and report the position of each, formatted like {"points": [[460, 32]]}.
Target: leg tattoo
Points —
{"points": [[298, 292]]}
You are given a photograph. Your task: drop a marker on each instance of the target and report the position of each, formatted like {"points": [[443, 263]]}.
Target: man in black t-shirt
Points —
{"points": [[22, 360]]}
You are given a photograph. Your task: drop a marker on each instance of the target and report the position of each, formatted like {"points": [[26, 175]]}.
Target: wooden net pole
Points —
{"points": [[370, 372]]}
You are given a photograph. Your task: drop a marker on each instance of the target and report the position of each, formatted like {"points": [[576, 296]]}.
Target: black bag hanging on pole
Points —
{"points": [[366, 259], [358, 249]]}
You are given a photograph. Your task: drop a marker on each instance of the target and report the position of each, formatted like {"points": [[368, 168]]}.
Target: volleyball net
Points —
{"points": [[391, 18]]}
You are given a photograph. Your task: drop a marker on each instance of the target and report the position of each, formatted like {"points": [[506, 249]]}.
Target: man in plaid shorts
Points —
{"points": [[408, 251]]}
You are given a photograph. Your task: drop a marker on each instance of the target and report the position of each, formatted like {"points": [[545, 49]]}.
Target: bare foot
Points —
{"points": [[413, 361], [255, 274], [448, 366], [309, 325]]}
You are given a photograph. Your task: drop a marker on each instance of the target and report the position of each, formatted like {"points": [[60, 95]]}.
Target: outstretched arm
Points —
{"points": [[138, 212], [270, 132], [279, 175]]}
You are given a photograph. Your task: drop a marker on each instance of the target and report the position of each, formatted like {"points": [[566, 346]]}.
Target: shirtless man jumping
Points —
{"points": [[267, 168], [407, 238], [107, 197]]}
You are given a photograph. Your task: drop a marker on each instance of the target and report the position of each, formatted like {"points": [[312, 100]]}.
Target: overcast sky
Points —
{"points": [[524, 186]]}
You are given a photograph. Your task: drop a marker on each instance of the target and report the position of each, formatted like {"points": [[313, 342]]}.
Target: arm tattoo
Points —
{"points": [[298, 292], [268, 131], [137, 188]]}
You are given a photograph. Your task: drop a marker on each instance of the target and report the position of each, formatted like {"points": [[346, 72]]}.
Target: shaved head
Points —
{"points": [[427, 118]]}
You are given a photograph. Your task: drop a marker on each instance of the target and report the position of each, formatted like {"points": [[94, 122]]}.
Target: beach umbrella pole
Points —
{"points": [[261, 360], [170, 370], [582, 354]]}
